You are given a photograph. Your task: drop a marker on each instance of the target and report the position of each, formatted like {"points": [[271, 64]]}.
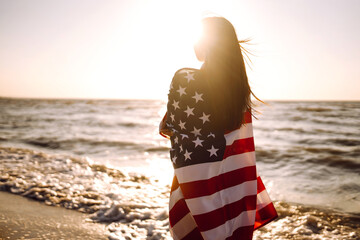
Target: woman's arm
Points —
{"points": [[163, 130]]}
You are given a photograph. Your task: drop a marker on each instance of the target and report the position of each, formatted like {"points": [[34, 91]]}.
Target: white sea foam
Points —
{"points": [[307, 152], [134, 205], [110, 195]]}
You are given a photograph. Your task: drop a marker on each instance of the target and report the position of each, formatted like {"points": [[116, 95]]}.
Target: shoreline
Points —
{"points": [[125, 206], [24, 218]]}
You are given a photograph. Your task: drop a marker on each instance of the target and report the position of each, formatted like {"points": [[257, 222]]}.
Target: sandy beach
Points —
{"points": [[22, 218]]}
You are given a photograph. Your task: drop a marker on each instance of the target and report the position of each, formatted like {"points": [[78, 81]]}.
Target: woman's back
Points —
{"points": [[189, 117], [216, 193]]}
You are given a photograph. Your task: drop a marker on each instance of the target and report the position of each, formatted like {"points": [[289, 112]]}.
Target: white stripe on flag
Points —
{"points": [[183, 227], [263, 199], [204, 171], [223, 231], [221, 198], [175, 196], [246, 131]]}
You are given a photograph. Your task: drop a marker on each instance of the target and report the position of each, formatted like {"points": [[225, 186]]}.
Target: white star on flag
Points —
{"points": [[183, 135], [211, 135], [182, 124], [198, 142], [176, 104], [196, 131], [187, 155], [205, 118], [189, 111], [198, 97], [174, 159], [181, 91], [176, 140], [172, 116], [181, 148], [213, 151], [189, 76]]}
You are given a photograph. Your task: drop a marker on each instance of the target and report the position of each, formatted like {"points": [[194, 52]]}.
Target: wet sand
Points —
{"points": [[22, 218]]}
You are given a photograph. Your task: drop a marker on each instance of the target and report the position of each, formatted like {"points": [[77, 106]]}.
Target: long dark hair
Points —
{"points": [[225, 73]]}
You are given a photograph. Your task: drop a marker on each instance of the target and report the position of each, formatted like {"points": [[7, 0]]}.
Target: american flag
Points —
{"points": [[216, 192]]}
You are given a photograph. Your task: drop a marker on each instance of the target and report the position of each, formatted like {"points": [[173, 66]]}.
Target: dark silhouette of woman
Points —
{"points": [[216, 192]]}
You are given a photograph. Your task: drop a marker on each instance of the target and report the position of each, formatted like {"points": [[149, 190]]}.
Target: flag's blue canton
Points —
{"points": [[188, 117]]}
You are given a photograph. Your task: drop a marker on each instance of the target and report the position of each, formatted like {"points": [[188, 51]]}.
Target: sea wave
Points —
{"points": [[66, 144], [336, 161], [135, 205], [75, 183], [313, 109], [345, 142], [320, 155]]}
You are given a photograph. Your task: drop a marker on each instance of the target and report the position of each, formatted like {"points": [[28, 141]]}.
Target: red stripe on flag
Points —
{"points": [[243, 233], [209, 186], [219, 216], [178, 211], [247, 117], [240, 146], [260, 185], [193, 235], [265, 215]]}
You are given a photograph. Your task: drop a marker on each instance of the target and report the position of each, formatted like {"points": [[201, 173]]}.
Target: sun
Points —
{"points": [[159, 40], [184, 29]]}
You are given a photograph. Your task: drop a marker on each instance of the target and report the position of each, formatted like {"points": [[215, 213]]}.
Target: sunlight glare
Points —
{"points": [[162, 41]]}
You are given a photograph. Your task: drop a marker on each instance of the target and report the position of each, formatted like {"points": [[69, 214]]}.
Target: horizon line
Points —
{"points": [[159, 99]]}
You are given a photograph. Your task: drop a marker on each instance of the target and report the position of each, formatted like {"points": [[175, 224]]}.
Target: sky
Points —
{"points": [[302, 49]]}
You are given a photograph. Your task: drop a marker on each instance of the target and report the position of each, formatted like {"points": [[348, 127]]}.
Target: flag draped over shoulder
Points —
{"points": [[216, 192]]}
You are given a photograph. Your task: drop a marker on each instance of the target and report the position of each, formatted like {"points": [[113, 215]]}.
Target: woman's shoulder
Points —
{"points": [[187, 70], [187, 85], [186, 75]]}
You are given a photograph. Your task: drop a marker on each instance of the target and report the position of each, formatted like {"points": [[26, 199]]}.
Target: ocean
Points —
{"points": [[105, 158]]}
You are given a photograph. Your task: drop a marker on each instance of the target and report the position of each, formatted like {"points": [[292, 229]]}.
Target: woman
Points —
{"points": [[216, 193]]}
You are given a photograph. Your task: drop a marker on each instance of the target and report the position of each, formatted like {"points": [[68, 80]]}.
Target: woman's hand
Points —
{"points": [[163, 130]]}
